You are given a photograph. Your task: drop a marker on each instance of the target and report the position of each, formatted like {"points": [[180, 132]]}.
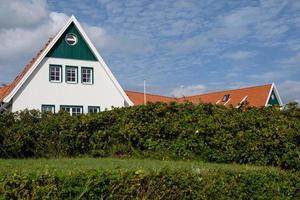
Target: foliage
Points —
{"points": [[163, 184], [262, 136]]}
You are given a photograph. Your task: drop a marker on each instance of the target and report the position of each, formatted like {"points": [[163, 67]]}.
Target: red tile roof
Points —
{"points": [[256, 96], [4, 91], [137, 98]]}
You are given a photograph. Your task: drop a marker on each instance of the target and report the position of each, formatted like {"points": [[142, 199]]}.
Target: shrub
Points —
{"points": [[263, 136], [165, 184]]}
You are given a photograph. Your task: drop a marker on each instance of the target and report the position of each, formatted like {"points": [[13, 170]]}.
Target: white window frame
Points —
{"points": [[48, 108], [97, 108], [51, 67], [91, 73], [70, 109], [75, 68]]}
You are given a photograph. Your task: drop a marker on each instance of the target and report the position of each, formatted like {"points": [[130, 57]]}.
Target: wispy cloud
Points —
{"points": [[239, 55], [167, 42], [188, 90], [24, 34], [290, 90], [270, 76], [293, 60]]}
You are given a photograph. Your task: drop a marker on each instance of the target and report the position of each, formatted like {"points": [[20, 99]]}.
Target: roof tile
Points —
{"points": [[138, 98], [255, 96]]}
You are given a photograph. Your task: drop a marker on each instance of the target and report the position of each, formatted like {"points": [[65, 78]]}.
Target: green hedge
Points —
{"points": [[165, 184], [163, 131]]}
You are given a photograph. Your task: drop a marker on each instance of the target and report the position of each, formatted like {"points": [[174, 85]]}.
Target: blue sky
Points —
{"points": [[181, 47]]}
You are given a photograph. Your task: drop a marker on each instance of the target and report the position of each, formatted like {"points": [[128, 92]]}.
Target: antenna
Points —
{"points": [[145, 98]]}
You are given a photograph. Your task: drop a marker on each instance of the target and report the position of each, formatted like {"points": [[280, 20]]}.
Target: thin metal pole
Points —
{"points": [[145, 98]]}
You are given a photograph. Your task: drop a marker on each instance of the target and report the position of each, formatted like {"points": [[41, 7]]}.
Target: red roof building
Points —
{"points": [[138, 98], [256, 96]]}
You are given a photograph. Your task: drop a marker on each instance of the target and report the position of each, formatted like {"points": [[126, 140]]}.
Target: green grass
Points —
{"points": [[71, 165]]}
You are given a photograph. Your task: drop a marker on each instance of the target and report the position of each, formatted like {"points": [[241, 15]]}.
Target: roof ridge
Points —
{"points": [[149, 94], [225, 91]]}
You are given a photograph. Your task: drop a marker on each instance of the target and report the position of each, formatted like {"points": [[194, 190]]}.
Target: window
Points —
{"points": [[93, 109], [71, 74], [71, 39], [226, 97], [72, 110], [87, 74], [272, 96], [55, 73], [48, 108]]}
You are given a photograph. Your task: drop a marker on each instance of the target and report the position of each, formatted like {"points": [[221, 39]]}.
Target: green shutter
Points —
{"points": [[80, 50]]}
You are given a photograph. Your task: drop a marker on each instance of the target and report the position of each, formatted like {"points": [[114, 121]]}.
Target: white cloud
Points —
{"points": [[20, 13], [19, 40], [189, 45], [243, 17], [25, 33], [289, 91], [239, 55], [270, 76], [188, 90], [117, 43], [294, 60]]}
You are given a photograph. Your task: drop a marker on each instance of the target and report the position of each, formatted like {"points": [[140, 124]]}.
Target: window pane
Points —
{"points": [[55, 73], [72, 110], [71, 74], [47, 108], [93, 109], [86, 74]]}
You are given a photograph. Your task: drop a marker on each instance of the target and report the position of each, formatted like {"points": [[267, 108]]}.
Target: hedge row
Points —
{"points": [[165, 131], [221, 184]]}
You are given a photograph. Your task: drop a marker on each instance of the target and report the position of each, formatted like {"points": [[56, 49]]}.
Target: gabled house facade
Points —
{"points": [[67, 74], [256, 96]]}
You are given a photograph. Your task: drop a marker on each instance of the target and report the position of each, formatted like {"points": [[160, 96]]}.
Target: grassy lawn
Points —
{"points": [[69, 165]]}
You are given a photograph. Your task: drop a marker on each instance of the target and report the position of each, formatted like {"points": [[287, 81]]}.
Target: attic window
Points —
{"points": [[225, 97], [71, 39], [272, 96]]}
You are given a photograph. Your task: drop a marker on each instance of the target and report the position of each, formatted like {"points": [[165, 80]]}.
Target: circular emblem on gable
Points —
{"points": [[71, 39]]}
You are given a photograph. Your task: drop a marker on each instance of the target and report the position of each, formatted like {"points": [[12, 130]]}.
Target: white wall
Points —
{"points": [[38, 90]]}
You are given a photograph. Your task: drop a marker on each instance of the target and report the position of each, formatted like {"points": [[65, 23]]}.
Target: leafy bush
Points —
{"points": [[265, 136], [164, 184]]}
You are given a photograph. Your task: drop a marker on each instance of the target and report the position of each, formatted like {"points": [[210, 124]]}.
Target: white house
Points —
{"points": [[67, 74]]}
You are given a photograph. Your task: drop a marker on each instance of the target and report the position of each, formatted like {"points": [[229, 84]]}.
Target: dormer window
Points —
{"points": [[225, 97]]}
